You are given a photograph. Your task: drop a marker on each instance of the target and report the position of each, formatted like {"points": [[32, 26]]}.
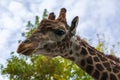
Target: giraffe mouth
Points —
{"points": [[26, 49], [35, 48]]}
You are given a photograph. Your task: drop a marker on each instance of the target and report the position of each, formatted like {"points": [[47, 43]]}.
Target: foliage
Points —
{"points": [[45, 14], [42, 68]]}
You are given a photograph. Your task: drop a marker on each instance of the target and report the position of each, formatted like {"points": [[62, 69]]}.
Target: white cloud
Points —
{"points": [[4, 2], [96, 16], [17, 8], [106, 8], [3, 78]]}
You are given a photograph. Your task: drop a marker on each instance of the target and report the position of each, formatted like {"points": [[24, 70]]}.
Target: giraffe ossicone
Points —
{"points": [[54, 37]]}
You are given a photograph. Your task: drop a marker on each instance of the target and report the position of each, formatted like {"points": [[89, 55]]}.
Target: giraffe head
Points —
{"points": [[51, 37]]}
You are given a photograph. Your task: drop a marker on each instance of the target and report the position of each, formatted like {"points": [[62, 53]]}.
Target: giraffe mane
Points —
{"points": [[116, 59]]}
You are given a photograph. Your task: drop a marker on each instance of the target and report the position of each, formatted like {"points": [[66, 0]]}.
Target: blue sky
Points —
{"points": [[96, 17]]}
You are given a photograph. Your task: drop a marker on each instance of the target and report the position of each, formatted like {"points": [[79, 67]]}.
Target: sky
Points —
{"points": [[95, 17]]}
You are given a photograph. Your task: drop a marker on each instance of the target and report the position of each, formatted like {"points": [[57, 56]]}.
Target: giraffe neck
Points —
{"points": [[94, 62]]}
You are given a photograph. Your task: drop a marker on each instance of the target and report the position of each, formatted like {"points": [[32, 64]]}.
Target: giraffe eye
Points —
{"points": [[59, 32]]}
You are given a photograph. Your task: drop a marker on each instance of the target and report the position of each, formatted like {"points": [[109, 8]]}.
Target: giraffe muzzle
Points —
{"points": [[26, 48]]}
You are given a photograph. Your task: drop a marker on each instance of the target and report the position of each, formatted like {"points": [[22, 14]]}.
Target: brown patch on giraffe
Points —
{"points": [[82, 63], [91, 51], [96, 59], [71, 52], [112, 77], [89, 69], [107, 66], [115, 70], [71, 58], [77, 47], [61, 50], [96, 74], [83, 51], [77, 54], [104, 76], [99, 67], [102, 57], [89, 60], [65, 55], [83, 43], [117, 67]]}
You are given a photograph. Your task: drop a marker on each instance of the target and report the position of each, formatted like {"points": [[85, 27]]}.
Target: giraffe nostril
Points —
{"points": [[59, 32]]}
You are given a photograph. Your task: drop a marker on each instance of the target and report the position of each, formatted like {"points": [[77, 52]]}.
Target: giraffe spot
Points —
{"points": [[66, 55], [115, 70], [89, 69], [112, 77], [91, 51], [82, 63], [89, 60], [71, 52], [107, 66], [77, 47], [96, 59], [99, 67], [71, 58], [77, 54], [96, 74], [61, 51], [83, 51], [117, 67], [109, 69], [83, 44], [48, 50], [104, 76], [102, 57]]}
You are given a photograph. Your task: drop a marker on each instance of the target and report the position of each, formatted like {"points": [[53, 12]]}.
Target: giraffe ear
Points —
{"points": [[74, 25]]}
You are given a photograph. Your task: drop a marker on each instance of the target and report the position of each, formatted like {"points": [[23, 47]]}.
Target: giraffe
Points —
{"points": [[54, 37]]}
